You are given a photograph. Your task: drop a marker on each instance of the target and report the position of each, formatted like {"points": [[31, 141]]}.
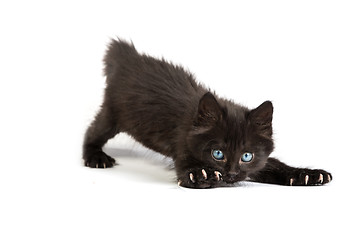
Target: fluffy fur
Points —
{"points": [[162, 106]]}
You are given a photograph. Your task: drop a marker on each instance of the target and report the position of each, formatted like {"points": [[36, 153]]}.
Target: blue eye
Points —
{"points": [[247, 157], [217, 155]]}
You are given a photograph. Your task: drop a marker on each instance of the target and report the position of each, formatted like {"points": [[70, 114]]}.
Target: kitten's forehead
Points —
{"points": [[235, 127]]}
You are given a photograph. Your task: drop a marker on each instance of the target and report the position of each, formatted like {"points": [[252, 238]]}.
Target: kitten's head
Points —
{"points": [[231, 139]]}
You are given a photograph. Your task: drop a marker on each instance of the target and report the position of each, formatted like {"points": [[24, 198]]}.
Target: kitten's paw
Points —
{"points": [[99, 160], [200, 178], [309, 177]]}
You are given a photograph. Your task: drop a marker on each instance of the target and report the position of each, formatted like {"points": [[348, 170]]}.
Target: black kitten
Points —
{"points": [[212, 140]]}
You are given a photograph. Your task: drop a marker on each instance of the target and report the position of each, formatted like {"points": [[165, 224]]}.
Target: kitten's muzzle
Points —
{"points": [[233, 178]]}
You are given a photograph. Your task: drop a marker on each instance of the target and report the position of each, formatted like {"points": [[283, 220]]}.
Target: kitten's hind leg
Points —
{"points": [[100, 131], [276, 172]]}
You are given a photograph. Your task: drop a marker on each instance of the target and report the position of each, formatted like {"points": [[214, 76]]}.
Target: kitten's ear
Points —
{"points": [[261, 118], [209, 110]]}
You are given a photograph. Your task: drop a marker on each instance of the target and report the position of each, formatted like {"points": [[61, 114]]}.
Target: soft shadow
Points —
{"points": [[120, 152], [142, 165], [151, 156]]}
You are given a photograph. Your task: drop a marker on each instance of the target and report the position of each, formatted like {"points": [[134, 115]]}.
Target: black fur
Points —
{"points": [[163, 107]]}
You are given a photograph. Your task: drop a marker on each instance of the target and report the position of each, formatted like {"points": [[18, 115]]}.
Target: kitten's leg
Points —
{"points": [[276, 172], [99, 132]]}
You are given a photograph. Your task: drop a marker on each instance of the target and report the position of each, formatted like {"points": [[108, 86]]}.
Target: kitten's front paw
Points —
{"points": [[200, 178], [309, 177], [99, 160]]}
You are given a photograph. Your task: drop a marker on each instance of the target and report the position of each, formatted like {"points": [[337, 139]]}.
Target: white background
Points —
{"points": [[304, 56]]}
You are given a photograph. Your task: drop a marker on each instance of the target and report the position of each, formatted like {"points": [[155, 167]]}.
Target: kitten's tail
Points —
{"points": [[118, 51]]}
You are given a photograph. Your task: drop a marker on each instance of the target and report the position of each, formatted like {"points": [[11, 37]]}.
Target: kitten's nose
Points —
{"points": [[231, 176]]}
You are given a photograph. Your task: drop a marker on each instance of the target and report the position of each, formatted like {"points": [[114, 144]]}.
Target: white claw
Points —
{"points": [[291, 181], [97, 165], [192, 177], [329, 178], [179, 183], [306, 179], [217, 175], [204, 173], [104, 165], [321, 179]]}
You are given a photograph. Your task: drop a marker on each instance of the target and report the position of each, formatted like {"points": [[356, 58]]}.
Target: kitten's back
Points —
{"points": [[151, 99]]}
